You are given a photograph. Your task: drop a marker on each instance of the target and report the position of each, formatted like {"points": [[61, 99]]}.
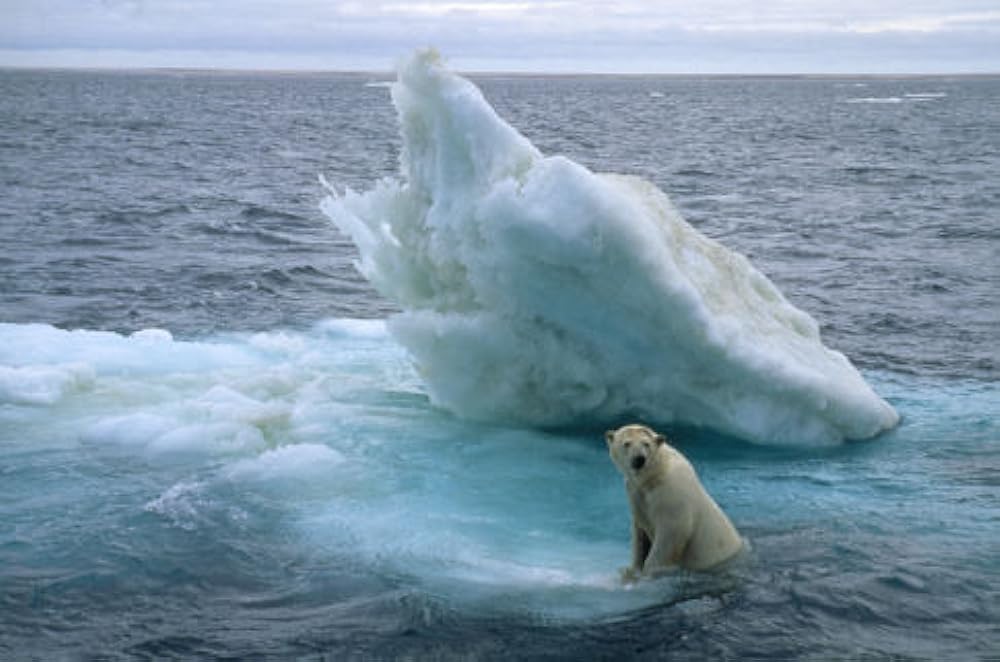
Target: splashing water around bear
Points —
{"points": [[538, 292]]}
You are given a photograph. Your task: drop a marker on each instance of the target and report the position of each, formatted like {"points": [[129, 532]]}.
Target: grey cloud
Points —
{"points": [[670, 35]]}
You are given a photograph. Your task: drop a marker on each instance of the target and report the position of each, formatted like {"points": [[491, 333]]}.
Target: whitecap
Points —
{"points": [[183, 504], [876, 100]]}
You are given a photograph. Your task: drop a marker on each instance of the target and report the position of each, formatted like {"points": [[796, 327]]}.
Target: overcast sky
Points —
{"points": [[671, 36]]}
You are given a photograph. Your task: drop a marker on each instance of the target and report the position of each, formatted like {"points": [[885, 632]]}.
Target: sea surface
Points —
{"points": [[210, 445]]}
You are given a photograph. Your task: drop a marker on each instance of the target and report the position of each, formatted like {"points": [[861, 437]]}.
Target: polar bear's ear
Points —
{"points": [[609, 436], [660, 439]]}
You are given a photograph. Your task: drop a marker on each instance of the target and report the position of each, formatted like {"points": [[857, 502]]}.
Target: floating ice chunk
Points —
{"points": [[172, 434], [137, 429], [42, 385], [354, 328], [536, 291], [216, 438], [149, 351], [227, 404], [293, 462], [876, 100], [153, 335]]}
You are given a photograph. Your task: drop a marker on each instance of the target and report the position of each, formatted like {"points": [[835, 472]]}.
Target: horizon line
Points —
{"points": [[390, 73]]}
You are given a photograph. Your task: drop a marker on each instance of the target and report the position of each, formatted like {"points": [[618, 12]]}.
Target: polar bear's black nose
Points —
{"points": [[638, 461]]}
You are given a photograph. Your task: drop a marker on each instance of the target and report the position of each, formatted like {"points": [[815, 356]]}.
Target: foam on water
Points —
{"points": [[535, 291]]}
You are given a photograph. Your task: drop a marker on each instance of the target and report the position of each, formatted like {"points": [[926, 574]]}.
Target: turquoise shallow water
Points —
{"points": [[294, 491], [265, 476]]}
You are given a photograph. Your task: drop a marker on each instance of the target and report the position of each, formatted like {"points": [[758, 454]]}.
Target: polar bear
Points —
{"points": [[675, 523]]}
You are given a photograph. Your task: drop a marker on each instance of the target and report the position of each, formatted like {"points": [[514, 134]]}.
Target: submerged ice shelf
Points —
{"points": [[536, 291]]}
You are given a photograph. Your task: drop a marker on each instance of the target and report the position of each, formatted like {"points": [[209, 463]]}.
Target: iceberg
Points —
{"points": [[534, 291]]}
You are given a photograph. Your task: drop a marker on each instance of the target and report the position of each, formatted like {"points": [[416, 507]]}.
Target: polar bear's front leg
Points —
{"points": [[668, 545], [641, 545]]}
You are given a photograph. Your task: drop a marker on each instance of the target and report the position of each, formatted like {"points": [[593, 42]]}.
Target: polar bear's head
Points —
{"points": [[634, 448]]}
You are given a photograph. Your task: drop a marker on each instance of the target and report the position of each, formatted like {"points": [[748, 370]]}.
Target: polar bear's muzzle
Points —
{"points": [[638, 462]]}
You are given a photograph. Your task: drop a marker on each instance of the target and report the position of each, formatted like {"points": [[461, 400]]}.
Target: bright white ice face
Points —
{"points": [[535, 291]]}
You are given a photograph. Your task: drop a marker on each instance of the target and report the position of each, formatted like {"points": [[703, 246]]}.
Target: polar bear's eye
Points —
{"points": [[627, 444]]}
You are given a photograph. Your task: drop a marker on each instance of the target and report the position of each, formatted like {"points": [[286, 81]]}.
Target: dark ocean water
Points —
{"points": [[272, 481]]}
